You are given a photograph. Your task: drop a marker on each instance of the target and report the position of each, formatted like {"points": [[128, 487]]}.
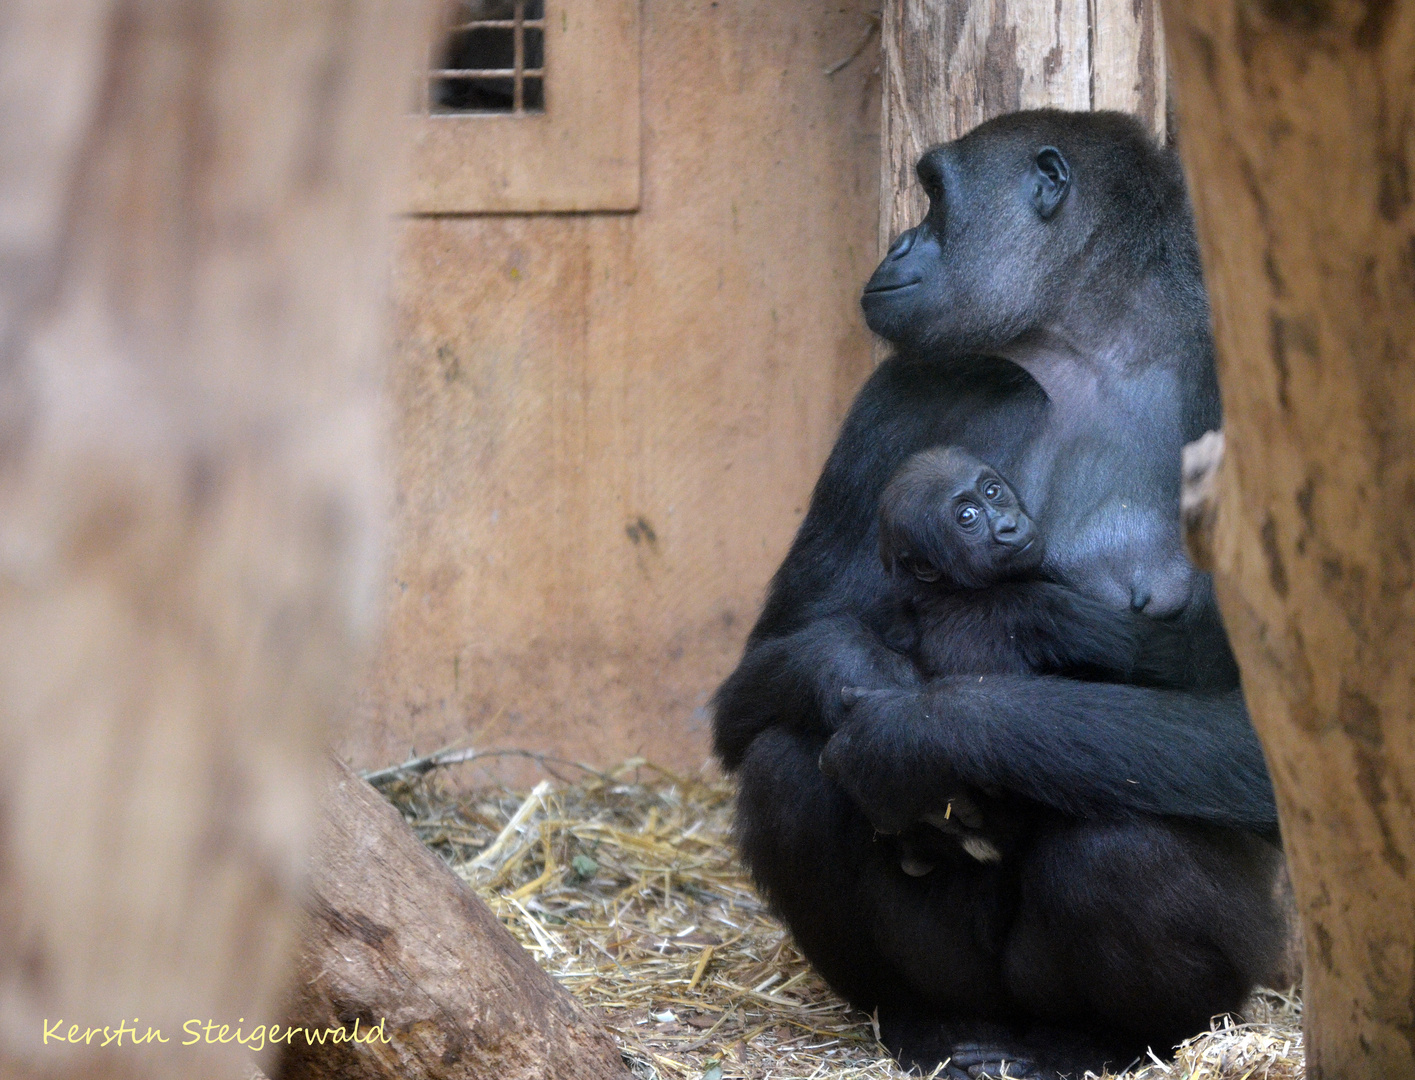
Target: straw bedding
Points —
{"points": [[625, 887]]}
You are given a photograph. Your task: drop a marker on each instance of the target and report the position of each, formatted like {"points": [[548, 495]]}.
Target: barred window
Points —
{"points": [[490, 58], [527, 106]]}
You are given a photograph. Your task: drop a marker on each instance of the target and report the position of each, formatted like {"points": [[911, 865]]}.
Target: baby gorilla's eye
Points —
{"points": [[967, 515], [992, 491]]}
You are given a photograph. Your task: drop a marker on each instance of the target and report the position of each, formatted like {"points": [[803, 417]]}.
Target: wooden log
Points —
{"points": [[948, 65], [399, 943], [193, 214], [1297, 132]]}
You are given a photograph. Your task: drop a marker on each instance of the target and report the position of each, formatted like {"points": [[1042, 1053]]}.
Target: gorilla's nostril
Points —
{"points": [[903, 243]]}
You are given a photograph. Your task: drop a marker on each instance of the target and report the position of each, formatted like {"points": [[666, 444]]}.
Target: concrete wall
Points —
{"points": [[608, 425]]}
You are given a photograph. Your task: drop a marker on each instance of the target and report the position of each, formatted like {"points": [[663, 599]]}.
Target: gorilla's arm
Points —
{"points": [[1057, 629], [1087, 749], [1052, 629], [796, 681], [1030, 627]]}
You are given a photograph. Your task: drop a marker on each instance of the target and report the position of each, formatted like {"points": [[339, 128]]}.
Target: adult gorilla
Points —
{"points": [[1050, 318]]}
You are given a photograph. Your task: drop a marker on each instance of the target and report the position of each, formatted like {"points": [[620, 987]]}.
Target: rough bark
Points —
{"points": [[948, 65], [396, 941], [192, 279], [1298, 130]]}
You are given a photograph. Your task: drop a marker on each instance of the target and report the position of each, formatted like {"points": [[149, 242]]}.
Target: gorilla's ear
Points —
{"points": [[1051, 180]]}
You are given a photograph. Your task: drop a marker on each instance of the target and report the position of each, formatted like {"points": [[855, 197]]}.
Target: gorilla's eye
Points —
{"points": [[967, 515], [992, 491]]}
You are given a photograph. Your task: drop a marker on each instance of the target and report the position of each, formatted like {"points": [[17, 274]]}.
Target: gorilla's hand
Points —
{"points": [[856, 666], [873, 756], [798, 680]]}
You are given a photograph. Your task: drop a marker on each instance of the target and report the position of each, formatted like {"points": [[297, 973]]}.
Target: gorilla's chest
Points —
{"points": [[1110, 512], [1104, 489]]}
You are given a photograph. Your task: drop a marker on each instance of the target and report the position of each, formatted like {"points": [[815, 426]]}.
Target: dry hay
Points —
{"points": [[625, 887]]}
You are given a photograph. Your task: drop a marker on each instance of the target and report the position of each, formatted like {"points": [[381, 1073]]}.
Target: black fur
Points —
{"points": [[1056, 328], [969, 599]]}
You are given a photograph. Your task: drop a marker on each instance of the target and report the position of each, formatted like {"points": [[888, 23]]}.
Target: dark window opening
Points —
{"points": [[491, 58]]}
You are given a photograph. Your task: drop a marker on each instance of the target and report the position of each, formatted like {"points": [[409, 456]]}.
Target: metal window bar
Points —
{"points": [[518, 73]]}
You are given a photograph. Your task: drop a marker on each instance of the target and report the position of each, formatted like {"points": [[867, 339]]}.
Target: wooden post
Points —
{"points": [[1297, 134], [951, 64], [193, 208]]}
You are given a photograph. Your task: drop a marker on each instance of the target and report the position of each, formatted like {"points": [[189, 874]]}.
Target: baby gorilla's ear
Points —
{"points": [[924, 571]]}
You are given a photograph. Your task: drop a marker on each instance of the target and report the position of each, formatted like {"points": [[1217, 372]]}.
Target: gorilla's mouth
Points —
{"points": [[872, 290], [1018, 553]]}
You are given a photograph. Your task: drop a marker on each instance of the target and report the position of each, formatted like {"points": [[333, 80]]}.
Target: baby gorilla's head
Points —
{"points": [[947, 517]]}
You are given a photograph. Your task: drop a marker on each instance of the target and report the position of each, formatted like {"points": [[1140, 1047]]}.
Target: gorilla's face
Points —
{"points": [[974, 273]]}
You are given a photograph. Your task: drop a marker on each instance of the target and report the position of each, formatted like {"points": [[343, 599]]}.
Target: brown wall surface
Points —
{"points": [[608, 425]]}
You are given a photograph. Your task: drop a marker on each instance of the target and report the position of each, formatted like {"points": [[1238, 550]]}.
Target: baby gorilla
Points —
{"points": [[970, 599]]}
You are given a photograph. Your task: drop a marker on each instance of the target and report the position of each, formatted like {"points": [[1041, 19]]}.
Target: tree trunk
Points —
{"points": [[398, 942], [192, 280], [951, 64], [1298, 130]]}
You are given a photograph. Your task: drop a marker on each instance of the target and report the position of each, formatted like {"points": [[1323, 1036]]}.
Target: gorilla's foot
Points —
{"points": [[973, 1049]]}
